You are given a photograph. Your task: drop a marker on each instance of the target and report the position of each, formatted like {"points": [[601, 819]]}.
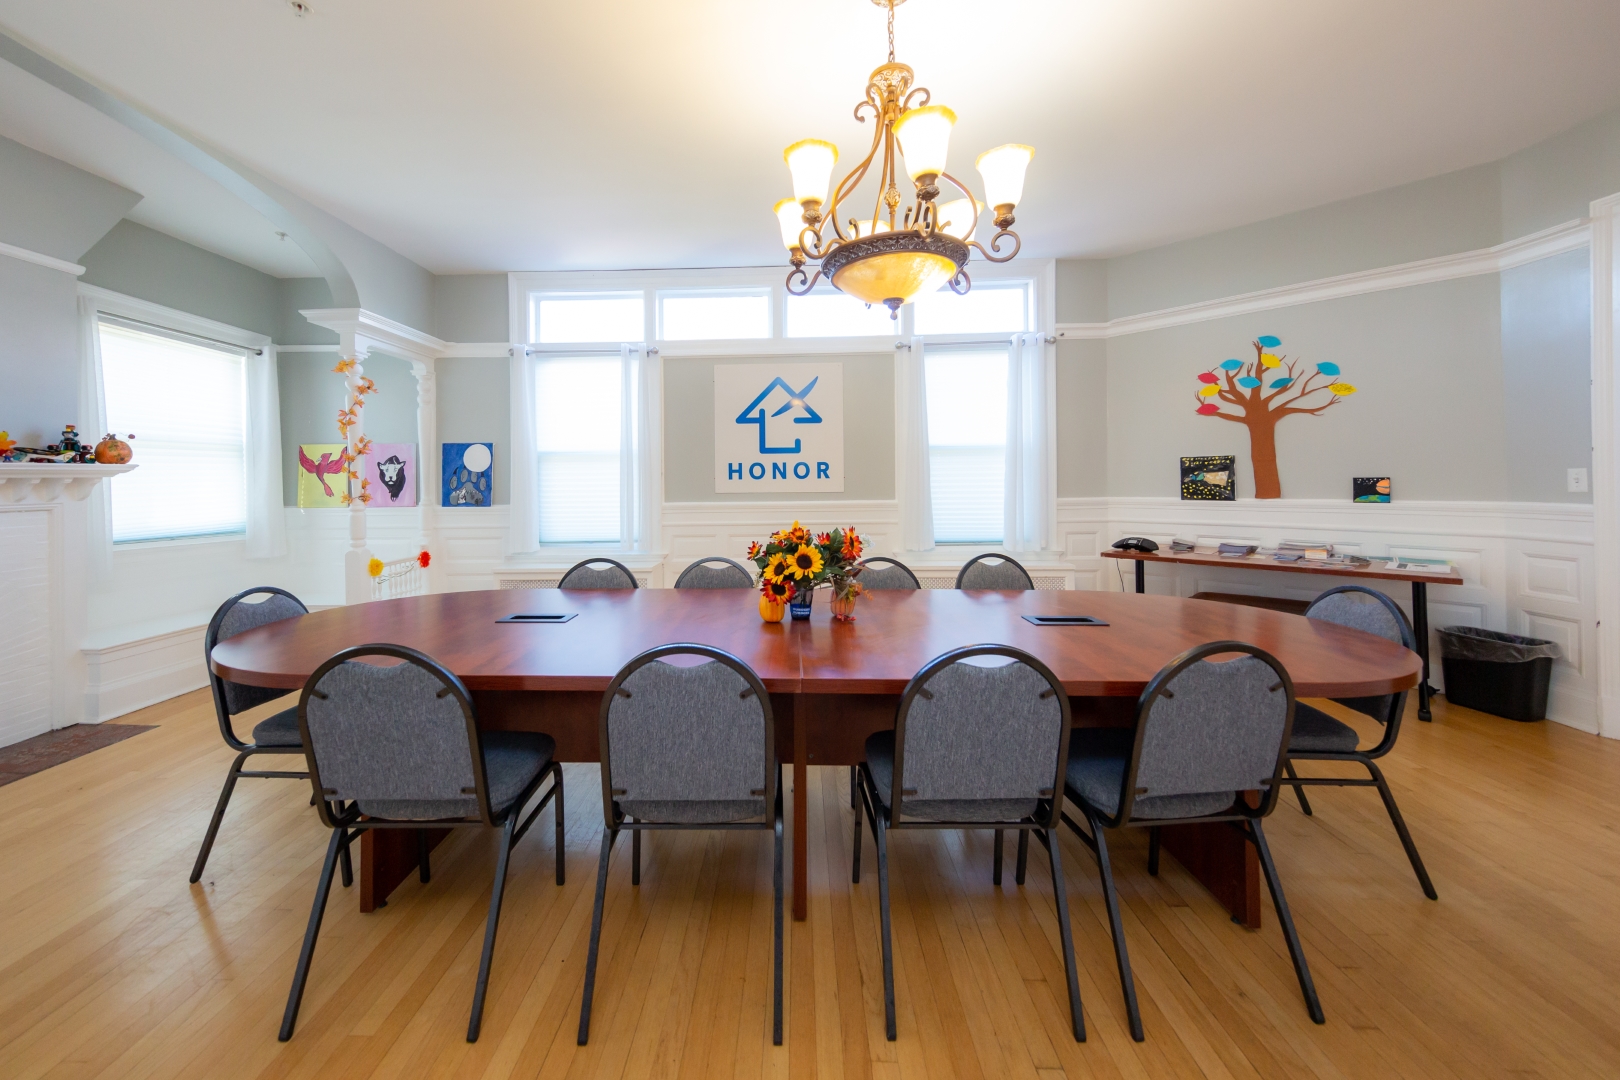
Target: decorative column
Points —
{"points": [[427, 461], [356, 579], [1606, 453]]}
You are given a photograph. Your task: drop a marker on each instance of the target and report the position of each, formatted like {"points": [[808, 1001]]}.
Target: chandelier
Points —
{"points": [[891, 257]]}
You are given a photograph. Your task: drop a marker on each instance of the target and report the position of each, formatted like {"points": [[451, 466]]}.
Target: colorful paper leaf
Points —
{"points": [[1208, 377], [1268, 341], [1270, 360], [1343, 389], [1278, 384], [1231, 365], [1248, 382], [1208, 410], [1208, 391], [1330, 370]]}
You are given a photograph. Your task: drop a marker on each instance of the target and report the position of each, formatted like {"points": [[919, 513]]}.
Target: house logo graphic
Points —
{"points": [[791, 400], [778, 427]]}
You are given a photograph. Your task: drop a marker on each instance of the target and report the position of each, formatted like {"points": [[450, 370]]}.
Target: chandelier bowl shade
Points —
{"points": [[892, 267]]}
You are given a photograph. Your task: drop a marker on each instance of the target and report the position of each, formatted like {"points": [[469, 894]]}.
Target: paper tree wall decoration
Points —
{"points": [[1263, 392]]}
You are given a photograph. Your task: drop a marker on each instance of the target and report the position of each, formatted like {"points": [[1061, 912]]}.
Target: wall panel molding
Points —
{"points": [[38, 259]]}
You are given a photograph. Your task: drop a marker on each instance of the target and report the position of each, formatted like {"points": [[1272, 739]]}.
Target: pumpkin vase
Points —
{"points": [[843, 607], [771, 611]]}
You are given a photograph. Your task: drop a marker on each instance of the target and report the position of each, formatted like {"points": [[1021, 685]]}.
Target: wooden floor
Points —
{"points": [[111, 965]]}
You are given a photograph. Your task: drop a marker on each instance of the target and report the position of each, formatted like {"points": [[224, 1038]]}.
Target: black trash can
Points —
{"points": [[1502, 674]]}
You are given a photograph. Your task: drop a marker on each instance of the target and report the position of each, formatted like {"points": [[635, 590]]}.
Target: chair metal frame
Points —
{"points": [[614, 819], [1043, 822], [962, 573], [889, 564], [1247, 817], [347, 823], [708, 561], [562, 582], [244, 750], [1392, 729]]}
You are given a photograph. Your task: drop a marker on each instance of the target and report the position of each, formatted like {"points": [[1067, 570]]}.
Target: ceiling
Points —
{"points": [[493, 135]]}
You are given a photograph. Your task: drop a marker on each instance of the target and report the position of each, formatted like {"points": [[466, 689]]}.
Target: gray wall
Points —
{"points": [[1547, 376], [52, 207], [39, 351], [470, 307], [149, 265], [1428, 412], [474, 407], [1082, 430], [689, 430]]}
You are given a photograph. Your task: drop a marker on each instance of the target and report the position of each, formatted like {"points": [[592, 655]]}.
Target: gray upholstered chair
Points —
{"points": [[598, 574], [688, 746], [973, 747], [276, 735], [399, 747], [1319, 737], [994, 572], [1206, 733], [884, 573], [715, 573]]}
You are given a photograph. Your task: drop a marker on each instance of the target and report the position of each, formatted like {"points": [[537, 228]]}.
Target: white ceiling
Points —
{"points": [[491, 135]]}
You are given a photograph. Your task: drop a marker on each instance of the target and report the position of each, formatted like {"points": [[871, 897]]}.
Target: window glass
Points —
{"points": [[187, 405], [578, 403], [992, 309], [578, 319], [706, 318], [829, 313], [967, 438]]}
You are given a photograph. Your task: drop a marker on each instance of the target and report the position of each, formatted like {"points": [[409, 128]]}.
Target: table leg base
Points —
{"points": [[1222, 861], [388, 857]]}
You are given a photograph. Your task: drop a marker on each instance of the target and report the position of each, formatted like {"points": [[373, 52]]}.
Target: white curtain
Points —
{"points": [[92, 425], [912, 483], [523, 521], [1031, 479], [641, 478], [266, 516]]}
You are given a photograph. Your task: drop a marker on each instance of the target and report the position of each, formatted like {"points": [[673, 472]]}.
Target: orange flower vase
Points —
{"points": [[771, 612], [843, 607]]}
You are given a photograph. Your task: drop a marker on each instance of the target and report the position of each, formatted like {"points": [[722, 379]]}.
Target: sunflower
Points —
{"points": [[778, 590], [753, 550], [805, 562], [777, 569], [852, 545]]}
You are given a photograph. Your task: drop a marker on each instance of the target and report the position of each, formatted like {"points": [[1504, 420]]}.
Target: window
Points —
{"points": [[829, 313], [187, 403], [967, 438], [711, 317], [987, 308], [578, 406], [581, 317]]}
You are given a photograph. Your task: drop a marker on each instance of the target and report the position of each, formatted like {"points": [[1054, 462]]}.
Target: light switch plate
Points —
{"points": [[1577, 480]]}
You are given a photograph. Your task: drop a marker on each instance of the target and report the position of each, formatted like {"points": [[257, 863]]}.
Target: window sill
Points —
{"points": [[120, 546]]}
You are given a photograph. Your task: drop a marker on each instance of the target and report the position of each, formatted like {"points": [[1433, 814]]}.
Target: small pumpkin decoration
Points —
{"points": [[112, 450], [769, 611]]}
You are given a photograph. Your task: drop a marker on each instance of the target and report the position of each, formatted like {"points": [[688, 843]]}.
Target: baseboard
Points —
{"points": [[131, 675]]}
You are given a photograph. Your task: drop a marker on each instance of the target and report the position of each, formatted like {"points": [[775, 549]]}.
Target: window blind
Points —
{"points": [[578, 405], [967, 437], [186, 403]]}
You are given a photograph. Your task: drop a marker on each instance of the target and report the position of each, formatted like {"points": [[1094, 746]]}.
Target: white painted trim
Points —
{"points": [[486, 350], [373, 331], [114, 303], [1570, 236], [48, 482], [1606, 456], [49, 261]]}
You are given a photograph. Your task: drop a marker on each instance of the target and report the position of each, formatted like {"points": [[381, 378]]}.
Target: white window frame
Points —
{"points": [[108, 302]]}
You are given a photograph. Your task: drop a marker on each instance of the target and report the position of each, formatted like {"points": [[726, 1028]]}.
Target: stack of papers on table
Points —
{"points": [[1409, 564]]}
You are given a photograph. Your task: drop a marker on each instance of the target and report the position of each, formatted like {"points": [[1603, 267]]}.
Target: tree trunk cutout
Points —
{"points": [[1260, 405]]}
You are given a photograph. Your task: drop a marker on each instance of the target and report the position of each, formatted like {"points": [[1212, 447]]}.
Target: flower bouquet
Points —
{"points": [[793, 563]]}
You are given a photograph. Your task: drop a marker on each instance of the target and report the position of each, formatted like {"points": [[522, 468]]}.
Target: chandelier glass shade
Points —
{"points": [[895, 255]]}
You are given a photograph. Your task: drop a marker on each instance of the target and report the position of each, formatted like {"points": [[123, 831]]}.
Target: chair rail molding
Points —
{"points": [[1570, 236], [1606, 454]]}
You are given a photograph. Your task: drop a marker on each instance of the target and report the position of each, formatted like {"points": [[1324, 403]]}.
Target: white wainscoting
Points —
{"points": [[1527, 568]]}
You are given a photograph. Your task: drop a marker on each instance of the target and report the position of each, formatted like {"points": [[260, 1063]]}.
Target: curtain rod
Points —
{"points": [[170, 331], [563, 350], [992, 341]]}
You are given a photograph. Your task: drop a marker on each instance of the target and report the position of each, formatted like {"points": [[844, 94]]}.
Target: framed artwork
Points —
{"points": [[320, 475], [1370, 489], [1209, 478], [467, 477], [391, 468]]}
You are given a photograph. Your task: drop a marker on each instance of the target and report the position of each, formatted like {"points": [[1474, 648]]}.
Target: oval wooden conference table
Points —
{"points": [[831, 684]]}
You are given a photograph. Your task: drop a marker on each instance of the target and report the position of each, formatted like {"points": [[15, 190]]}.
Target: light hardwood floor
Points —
{"points": [[111, 965]]}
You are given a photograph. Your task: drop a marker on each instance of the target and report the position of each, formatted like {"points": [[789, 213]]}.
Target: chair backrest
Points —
{"points": [[883, 573], [400, 741], [236, 617], [1206, 731], [994, 572], [717, 572], [981, 743], [1361, 608], [598, 574], [692, 744]]}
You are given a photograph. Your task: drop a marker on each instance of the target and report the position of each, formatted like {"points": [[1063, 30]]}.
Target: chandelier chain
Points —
{"points": [[891, 31]]}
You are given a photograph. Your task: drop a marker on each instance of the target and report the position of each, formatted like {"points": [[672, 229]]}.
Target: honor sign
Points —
{"points": [[779, 427]]}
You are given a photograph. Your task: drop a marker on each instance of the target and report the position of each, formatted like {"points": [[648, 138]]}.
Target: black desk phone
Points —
{"points": [[1135, 543]]}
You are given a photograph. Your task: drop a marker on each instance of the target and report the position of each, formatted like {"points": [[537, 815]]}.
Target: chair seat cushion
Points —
{"points": [[512, 760], [880, 760], [279, 730], [1098, 758], [1315, 730], [692, 811]]}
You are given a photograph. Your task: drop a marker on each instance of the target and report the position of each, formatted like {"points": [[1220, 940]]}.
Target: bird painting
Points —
{"points": [[328, 465]]}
